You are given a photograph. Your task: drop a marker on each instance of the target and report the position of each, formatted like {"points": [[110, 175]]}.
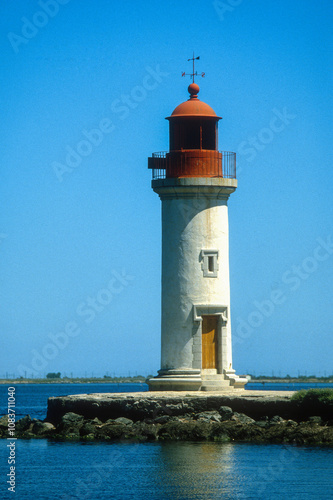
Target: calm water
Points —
{"points": [[168, 471], [49, 470]]}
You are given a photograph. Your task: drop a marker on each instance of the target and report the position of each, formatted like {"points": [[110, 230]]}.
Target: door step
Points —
{"points": [[215, 383]]}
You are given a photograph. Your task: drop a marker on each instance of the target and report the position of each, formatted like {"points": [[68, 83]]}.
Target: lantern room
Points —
{"points": [[193, 143], [193, 124]]}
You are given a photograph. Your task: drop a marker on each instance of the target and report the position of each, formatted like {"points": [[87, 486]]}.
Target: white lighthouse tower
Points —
{"points": [[194, 181]]}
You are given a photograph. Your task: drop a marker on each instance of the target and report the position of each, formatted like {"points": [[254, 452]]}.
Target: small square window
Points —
{"points": [[209, 263]]}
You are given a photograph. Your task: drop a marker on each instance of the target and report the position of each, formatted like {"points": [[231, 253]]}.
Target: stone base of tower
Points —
{"points": [[196, 380], [176, 380]]}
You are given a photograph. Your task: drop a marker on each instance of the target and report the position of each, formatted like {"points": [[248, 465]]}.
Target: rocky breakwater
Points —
{"points": [[251, 416]]}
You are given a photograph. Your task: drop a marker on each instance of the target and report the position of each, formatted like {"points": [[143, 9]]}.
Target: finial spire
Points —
{"points": [[195, 73]]}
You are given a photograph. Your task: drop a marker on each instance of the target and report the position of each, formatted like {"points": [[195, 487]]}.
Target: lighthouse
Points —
{"points": [[194, 181]]}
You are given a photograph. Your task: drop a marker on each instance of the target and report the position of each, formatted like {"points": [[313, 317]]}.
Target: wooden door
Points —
{"points": [[209, 342]]}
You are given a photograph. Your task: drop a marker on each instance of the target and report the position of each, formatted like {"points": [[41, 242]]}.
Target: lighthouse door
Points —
{"points": [[209, 342]]}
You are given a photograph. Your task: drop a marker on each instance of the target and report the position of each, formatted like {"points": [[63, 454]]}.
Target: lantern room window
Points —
{"points": [[193, 134]]}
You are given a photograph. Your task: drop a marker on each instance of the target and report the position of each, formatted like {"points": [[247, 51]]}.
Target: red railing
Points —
{"points": [[193, 163]]}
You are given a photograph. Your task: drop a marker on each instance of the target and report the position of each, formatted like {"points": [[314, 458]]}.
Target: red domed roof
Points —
{"points": [[193, 107]]}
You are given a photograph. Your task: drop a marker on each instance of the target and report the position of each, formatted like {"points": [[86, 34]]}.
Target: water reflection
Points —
{"points": [[207, 470]]}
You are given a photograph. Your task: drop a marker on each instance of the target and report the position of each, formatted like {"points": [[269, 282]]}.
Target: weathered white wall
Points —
{"points": [[194, 218]]}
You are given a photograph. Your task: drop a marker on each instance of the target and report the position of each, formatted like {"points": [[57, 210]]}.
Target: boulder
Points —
{"points": [[276, 420], [263, 422], [110, 431], [307, 433], [209, 416], [124, 421], [88, 428], [291, 423], [23, 424], [42, 428], [225, 412], [238, 431], [71, 423], [96, 421], [144, 431], [242, 418], [194, 430]]}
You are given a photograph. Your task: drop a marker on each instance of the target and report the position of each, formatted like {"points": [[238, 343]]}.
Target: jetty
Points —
{"points": [[148, 405]]}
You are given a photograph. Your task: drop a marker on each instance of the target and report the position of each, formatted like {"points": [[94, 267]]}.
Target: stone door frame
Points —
{"points": [[221, 311]]}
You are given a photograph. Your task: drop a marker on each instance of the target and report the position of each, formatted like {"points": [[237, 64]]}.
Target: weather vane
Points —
{"points": [[195, 73]]}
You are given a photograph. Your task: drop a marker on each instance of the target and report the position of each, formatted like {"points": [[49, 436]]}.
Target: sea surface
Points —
{"points": [[50, 470]]}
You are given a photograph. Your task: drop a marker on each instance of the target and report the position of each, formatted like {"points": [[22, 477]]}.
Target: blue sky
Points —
{"points": [[80, 233]]}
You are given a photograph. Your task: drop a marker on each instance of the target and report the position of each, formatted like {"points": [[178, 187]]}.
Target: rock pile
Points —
{"points": [[220, 425]]}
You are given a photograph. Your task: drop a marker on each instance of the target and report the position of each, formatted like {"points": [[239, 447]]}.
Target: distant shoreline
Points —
{"points": [[292, 381], [141, 380], [71, 381]]}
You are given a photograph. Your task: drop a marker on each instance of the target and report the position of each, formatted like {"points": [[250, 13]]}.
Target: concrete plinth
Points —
{"points": [[176, 380], [141, 405], [196, 380]]}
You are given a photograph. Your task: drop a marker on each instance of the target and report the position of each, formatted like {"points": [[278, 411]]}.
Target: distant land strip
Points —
{"points": [[139, 379]]}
